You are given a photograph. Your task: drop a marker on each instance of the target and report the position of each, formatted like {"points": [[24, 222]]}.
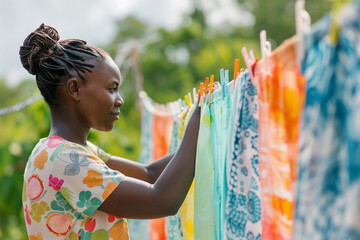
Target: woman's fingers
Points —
{"points": [[215, 86]]}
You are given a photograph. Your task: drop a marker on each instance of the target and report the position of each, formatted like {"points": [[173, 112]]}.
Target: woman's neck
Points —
{"points": [[68, 127]]}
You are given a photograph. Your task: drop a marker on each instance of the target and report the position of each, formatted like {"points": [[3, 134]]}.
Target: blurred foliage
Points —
{"points": [[171, 67], [278, 17]]}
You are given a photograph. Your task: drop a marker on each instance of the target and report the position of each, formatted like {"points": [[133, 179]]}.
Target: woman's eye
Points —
{"points": [[112, 90]]}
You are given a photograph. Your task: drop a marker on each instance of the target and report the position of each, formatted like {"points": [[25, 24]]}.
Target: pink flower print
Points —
{"points": [[55, 141], [35, 187], [55, 182], [27, 215]]}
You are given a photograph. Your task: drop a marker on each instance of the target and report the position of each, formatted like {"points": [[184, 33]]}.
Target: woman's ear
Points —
{"points": [[73, 88]]}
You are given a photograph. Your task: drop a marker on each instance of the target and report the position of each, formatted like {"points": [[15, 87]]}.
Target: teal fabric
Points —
{"points": [[172, 223], [228, 111], [140, 229], [220, 109], [204, 222]]}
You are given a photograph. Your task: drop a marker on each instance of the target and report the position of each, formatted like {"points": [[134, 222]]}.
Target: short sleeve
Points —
{"points": [[85, 180], [99, 152]]}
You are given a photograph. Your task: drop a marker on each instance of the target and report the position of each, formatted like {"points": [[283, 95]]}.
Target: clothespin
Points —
{"points": [[201, 93], [335, 25], [211, 86], [194, 96], [199, 99], [222, 82], [249, 61], [187, 101], [242, 70], [252, 55], [206, 86], [236, 71], [179, 104], [184, 105], [226, 76], [303, 22], [265, 48], [190, 98]]}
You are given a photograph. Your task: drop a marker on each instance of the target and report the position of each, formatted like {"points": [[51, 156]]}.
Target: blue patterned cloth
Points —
{"points": [[328, 191], [140, 229], [243, 212], [172, 223]]}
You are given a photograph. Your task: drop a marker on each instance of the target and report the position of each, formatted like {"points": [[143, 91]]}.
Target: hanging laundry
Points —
{"points": [[220, 108], [227, 111], [140, 229], [204, 222], [155, 139], [172, 223], [162, 127], [186, 210], [281, 100], [243, 211], [328, 191]]}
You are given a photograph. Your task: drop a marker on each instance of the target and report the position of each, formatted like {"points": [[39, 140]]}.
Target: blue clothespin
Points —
{"points": [[226, 76], [184, 105], [222, 81]]}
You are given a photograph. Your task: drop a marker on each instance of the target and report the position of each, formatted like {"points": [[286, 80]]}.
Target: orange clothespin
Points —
{"points": [[201, 89], [201, 93], [236, 71], [211, 86], [206, 86]]}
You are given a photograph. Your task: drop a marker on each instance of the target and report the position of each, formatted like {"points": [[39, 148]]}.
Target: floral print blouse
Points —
{"points": [[64, 184]]}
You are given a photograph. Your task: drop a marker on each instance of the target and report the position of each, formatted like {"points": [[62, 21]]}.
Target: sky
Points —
{"points": [[93, 21], [90, 20]]}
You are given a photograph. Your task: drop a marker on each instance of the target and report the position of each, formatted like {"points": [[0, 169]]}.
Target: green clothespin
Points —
{"points": [[335, 25]]}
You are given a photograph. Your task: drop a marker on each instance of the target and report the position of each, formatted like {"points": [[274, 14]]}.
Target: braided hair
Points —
{"points": [[53, 62]]}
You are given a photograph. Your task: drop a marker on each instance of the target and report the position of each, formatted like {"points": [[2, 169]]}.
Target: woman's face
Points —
{"points": [[100, 100]]}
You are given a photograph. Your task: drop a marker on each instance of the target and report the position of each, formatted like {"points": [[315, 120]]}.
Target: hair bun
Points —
{"points": [[36, 47]]}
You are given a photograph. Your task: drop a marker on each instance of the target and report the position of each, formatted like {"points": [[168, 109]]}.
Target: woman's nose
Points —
{"points": [[119, 101]]}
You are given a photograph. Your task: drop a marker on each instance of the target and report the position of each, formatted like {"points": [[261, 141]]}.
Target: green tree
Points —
{"points": [[278, 17]]}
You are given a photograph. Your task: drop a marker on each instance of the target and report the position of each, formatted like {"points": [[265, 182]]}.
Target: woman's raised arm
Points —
{"points": [[134, 198]]}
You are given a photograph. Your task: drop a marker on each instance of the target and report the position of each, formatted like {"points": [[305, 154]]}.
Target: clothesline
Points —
{"points": [[281, 161], [170, 109]]}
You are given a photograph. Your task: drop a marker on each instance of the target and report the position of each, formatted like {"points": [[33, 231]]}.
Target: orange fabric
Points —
{"points": [[281, 101], [161, 136], [161, 139], [157, 229]]}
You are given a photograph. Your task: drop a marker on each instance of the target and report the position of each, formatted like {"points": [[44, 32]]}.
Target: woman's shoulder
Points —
{"points": [[57, 143], [50, 148]]}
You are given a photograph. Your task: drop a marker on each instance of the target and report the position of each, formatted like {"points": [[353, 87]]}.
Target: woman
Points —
{"points": [[72, 189]]}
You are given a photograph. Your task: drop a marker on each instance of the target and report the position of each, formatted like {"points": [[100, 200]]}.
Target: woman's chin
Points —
{"points": [[105, 128]]}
